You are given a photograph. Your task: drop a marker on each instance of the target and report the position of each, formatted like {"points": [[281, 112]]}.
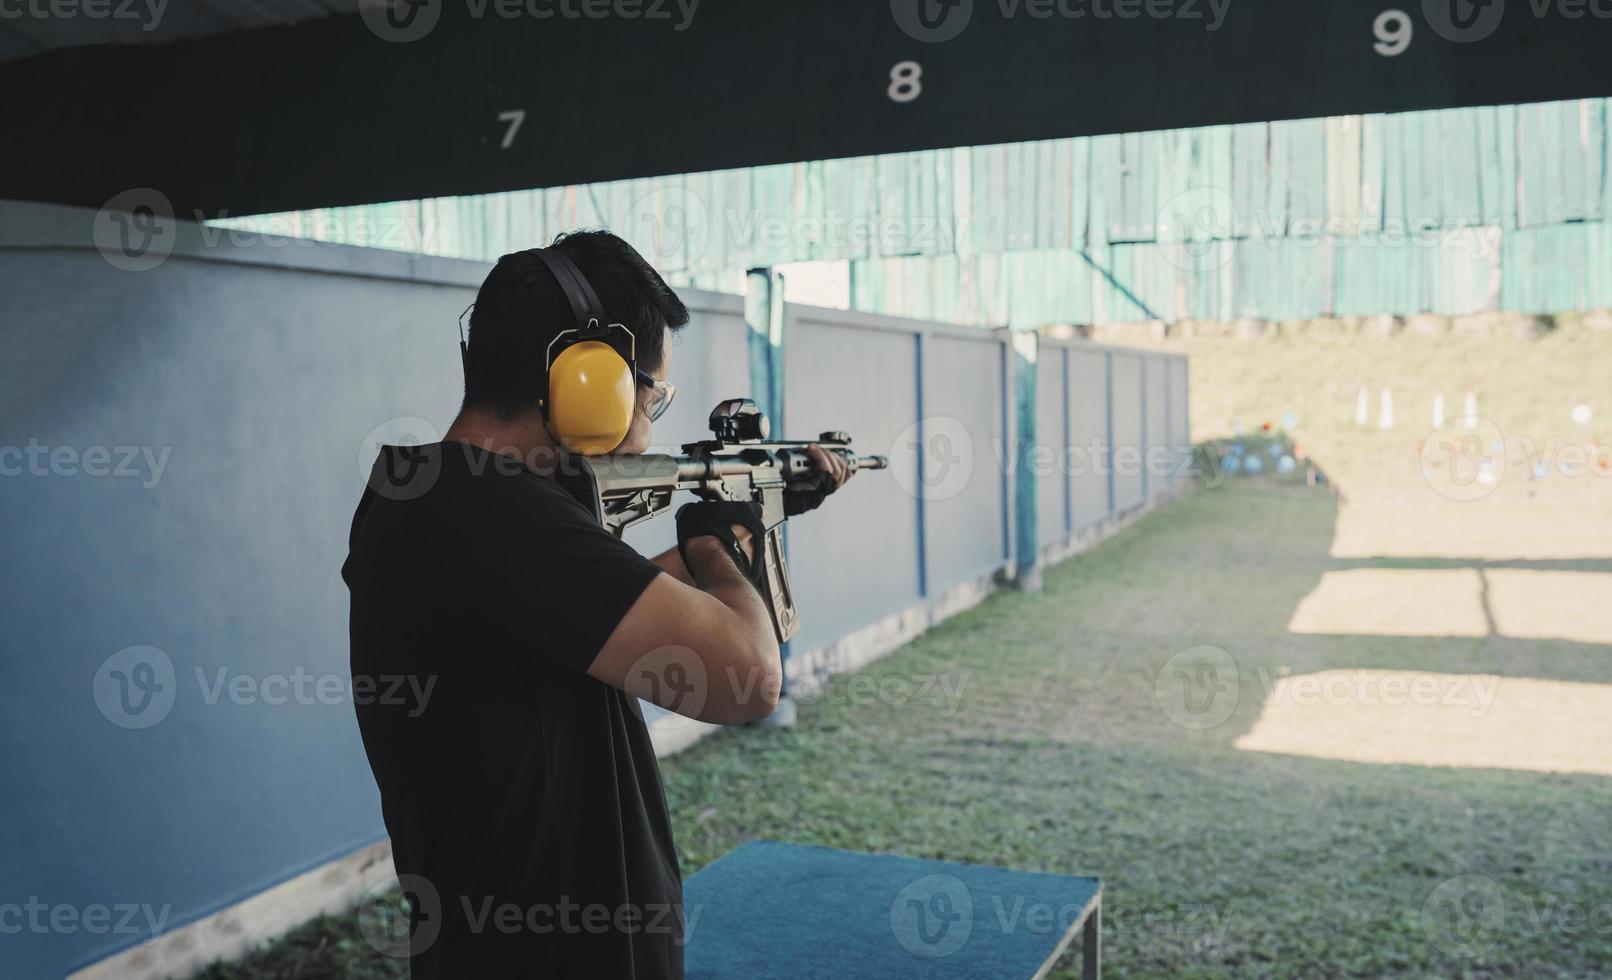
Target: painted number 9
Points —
{"points": [[1393, 30], [904, 81]]}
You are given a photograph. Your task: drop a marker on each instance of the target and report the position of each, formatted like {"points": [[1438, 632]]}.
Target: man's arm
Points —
{"points": [[704, 648], [671, 563]]}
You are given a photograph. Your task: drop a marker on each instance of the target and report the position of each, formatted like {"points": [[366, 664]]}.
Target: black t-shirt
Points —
{"points": [[522, 796]]}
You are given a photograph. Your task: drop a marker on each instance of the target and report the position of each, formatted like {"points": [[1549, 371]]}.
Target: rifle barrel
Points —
{"points": [[695, 468]]}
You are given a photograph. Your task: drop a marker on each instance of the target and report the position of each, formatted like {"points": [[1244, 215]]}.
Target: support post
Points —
{"points": [[764, 314], [1027, 551]]}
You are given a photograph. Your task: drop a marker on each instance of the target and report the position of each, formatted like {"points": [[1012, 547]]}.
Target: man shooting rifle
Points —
{"points": [[522, 795]]}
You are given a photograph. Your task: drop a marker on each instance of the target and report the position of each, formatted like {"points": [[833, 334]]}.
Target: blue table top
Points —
{"points": [[770, 910]]}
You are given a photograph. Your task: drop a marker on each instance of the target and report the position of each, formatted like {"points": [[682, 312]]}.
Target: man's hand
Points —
{"points": [[830, 474], [733, 527]]}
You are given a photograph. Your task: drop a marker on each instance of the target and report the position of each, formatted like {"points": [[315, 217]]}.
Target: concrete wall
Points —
{"points": [[1156, 469], [1111, 434], [1088, 433], [1128, 433]]}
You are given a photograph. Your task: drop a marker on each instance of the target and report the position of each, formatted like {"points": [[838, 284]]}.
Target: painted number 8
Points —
{"points": [[904, 81], [1392, 29]]}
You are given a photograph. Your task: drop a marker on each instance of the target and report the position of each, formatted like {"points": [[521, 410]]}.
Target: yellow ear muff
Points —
{"points": [[592, 394]]}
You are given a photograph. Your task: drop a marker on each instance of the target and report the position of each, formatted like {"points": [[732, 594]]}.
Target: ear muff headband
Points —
{"points": [[578, 291]]}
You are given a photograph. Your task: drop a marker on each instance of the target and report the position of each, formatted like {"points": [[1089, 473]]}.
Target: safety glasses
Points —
{"points": [[660, 398]]}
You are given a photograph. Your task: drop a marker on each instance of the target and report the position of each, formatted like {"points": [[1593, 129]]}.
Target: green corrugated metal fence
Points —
{"points": [[1454, 211]]}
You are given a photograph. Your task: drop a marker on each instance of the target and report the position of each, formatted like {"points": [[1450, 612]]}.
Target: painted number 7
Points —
{"points": [[513, 119]]}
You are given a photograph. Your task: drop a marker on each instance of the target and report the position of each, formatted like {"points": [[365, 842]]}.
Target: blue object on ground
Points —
{"points": [[787, 911]]}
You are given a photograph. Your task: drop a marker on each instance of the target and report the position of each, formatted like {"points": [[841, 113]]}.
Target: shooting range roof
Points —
{"points": [[25, 35], [248, 106]]}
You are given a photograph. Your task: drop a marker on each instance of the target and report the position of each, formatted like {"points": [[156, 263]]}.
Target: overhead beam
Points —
{"points": [[509, 94]]}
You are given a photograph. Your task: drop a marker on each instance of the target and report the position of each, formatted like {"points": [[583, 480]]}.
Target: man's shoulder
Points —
{"points": [[458, 479]]}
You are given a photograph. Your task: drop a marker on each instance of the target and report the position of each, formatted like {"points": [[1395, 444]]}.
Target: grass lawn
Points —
{"points": [[1048, 737]]}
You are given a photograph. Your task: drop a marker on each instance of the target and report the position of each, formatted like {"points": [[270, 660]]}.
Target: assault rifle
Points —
{"points": [[738, 463]]}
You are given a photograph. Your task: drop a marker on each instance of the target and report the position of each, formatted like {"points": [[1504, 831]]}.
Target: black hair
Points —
{"points": [[520, 308]]}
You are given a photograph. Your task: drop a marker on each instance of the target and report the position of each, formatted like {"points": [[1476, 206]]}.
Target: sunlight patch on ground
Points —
{"points": [[1539, 605], [1430, 719], [1394, 602]]}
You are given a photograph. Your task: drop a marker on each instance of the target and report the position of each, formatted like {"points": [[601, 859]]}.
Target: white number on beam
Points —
{"points": [[1393, 31], [904, 81], [514, 118]]}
